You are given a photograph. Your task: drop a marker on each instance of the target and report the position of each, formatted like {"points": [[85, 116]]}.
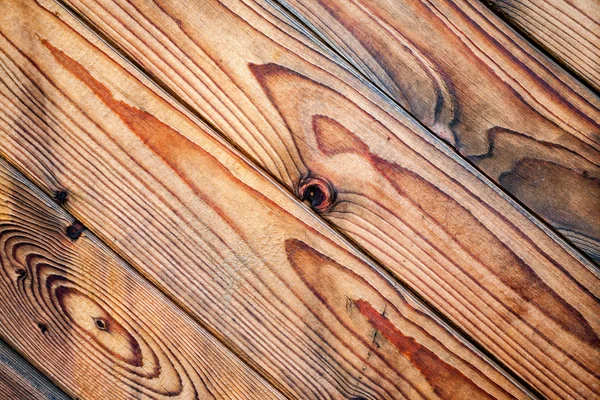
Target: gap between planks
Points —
{"points": [[133, 320], [577, 53], [20, 380]]}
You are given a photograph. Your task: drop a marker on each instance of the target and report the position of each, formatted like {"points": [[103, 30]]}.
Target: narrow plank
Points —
{"points": [[382, 180], [568, 30], [258, 268], [491, 95], [91, 323], [19, 380]]}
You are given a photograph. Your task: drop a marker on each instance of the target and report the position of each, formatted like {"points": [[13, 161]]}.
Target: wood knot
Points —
{"points": [[21, 274], [42, 327], [318, 192], [100, 324], [74, 230], [61, 197]]}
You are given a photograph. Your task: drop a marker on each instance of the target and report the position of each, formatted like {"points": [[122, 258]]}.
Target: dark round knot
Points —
{"points": [[61, 197], [319, 193], [74, 230]]}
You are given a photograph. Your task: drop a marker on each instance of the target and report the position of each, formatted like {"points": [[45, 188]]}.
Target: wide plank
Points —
{"points": [[568, 30], [89, 321], [19, 380], [242, 256], [457, 68], [384, 181]]}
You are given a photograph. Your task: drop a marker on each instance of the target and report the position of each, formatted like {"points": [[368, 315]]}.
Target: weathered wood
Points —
{"points": [[239, 253], [459, 70], [19, 380], [416, 207], [88, 320], [568, 30]]}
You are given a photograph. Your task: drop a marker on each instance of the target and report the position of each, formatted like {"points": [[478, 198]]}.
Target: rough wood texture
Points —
{"points": [[92, 323], [568, 29], [257, 267], [459, 70], [385, 182], [20, 381]]}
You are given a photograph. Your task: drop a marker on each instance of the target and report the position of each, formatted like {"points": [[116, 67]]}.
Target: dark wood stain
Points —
{"points": [[433, 98], [74, 230], [537, 182], [418, 57]]}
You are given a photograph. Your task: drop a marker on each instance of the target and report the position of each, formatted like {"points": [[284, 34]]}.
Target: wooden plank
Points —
{"points": [[460, 71], [237, 252], [19, 380], [93, 324], [568, 30], [410, 202]]}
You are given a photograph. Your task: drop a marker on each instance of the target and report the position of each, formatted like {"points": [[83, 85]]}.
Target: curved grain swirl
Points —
{"points": [[77, 311], [462, 73]]}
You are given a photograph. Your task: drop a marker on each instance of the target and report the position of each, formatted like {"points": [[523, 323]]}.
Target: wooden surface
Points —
{"points": [[461, 72], [186, 146], [265, 275], [381, 179], [21, 381], [81, 314], [568, 30]]}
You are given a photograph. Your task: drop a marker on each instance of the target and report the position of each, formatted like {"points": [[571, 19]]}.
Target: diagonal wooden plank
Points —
{"points": [[567, 30], [19, 380], [464, 74], [237, 252], [526, 123], [429, 217], [91, 323]]}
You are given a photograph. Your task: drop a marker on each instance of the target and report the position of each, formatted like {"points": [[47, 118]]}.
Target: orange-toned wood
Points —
{"points": [[237, 252], [387, 183], [456, 67]]}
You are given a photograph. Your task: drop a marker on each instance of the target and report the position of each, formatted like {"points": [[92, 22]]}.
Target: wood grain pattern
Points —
{"points": [[81, 314], [452, 64], [384, 182], [257, 267], [21, 381], [569, 30]]}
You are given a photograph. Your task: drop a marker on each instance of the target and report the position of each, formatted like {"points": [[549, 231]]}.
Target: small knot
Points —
{"points": [[21, 274], [319, 193], [61, 197], [74, 230], [100, 324], [43, 327]]}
